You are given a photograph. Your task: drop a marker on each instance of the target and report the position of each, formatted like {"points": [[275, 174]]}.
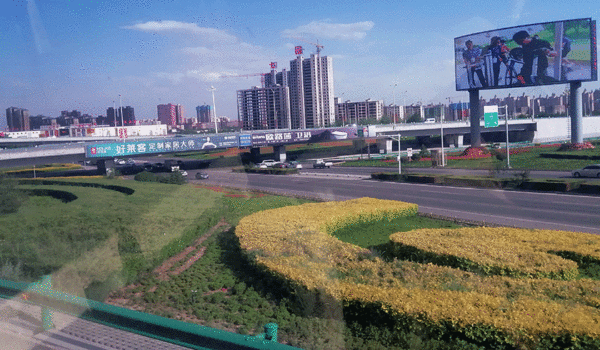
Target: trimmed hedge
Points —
{"points": [[329, 277], [549, 185], [125, 190], [558, 155], [63, 196]]}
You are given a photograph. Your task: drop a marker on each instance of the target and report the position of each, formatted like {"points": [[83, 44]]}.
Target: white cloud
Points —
{"points": [[339, 31], [211, 34], [242, 52]]}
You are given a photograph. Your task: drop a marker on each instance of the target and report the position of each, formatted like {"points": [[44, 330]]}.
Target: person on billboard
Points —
{"points": [[473, 60], [534, 48], [498, 50]]}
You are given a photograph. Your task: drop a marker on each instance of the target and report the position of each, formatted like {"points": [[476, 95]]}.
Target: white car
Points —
{"points": [[268, 163], [120, 161], [588, 171]]}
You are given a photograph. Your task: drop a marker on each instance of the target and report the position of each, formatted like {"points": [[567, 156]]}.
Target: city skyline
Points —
{"points": [[65, 56]]}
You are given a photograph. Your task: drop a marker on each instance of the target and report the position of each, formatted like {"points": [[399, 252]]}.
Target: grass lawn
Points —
{"points": [[526, 158]]}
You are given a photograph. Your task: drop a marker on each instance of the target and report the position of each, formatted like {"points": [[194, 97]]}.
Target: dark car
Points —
{"points": [[280, 165], [201, 176], [159, 167]]}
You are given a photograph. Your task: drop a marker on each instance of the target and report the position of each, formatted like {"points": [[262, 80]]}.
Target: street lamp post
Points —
{"points": [[394, 94], [442, 114], [121, 109], [115, 113], [399, 155], [212, 89], [404, 105]]}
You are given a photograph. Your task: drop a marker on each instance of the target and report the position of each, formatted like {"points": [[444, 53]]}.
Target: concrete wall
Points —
{"points": [[558, 129]]}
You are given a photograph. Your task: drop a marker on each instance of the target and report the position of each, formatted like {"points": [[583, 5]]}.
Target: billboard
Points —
{"points": [[270, 138], [132, 148], [534, 54]]}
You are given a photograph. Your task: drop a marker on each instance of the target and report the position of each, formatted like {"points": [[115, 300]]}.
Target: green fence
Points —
{"points": [[177, 332]]}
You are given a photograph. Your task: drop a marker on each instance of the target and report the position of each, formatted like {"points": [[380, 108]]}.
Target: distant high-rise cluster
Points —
{"points": [[296, 99], [122, 116], [17, 119], [170, 114], [204, 113]]}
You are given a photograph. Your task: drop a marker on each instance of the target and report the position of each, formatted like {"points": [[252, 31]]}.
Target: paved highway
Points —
{"points": [[513, 208]]}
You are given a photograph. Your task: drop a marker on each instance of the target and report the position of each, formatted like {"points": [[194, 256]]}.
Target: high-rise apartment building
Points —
{"points": [[115, 115], [353, 112], [311, 92], [17, 119], [170, 114], [204, 113], [264, 108]]}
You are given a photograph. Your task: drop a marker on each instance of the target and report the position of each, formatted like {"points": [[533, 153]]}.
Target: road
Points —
{"points": [[512, 208]]}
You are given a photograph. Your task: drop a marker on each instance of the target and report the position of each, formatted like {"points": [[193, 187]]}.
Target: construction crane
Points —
{"points": [[262, 76], [319, 47]]}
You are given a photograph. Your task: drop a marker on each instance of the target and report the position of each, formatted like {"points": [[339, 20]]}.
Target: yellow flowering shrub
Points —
{"points": [[504, 250], [293, 243]]}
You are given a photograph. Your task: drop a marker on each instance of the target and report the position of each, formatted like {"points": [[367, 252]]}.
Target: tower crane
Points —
{"points": [[319, 47], [262, 76]]}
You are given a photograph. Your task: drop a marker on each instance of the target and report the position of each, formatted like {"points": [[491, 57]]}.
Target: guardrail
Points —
{"points": [[173, 331]]}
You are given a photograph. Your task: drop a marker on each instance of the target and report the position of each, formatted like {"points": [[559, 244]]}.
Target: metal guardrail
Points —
{"points": [[173, 331]]}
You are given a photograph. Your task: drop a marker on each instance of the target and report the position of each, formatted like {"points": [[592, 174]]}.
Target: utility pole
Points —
{"points": [[212, 89]]}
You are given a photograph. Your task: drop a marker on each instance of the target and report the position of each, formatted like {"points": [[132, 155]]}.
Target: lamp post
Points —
{"points": [[399, 155], [115, 114], [212, 89], [442, 113], [121, 109], [394, 94]]}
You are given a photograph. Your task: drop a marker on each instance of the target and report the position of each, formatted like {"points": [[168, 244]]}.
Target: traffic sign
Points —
{"points": [[409, 152], [490, 116]]}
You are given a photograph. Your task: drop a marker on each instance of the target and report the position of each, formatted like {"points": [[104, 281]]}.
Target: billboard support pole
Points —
{"points": [[576, 112], [474, 118]]}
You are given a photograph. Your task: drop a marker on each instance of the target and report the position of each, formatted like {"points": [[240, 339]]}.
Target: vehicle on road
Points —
{"points": [[280, 165], [130, 161], [183, 172], [588, 171], [120, 161], [267, 163], [201, 176], [320, 163], [294, 164], [159, 167]]}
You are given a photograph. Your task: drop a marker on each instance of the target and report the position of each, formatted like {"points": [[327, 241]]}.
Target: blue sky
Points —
{"points": [[81, 54]]}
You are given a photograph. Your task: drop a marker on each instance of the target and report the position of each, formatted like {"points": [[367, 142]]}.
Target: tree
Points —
{"points": [[386, 120], [415, 118]]}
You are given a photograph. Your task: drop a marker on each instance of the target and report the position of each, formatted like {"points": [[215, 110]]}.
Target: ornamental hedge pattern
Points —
{"points": [[475, 282]]}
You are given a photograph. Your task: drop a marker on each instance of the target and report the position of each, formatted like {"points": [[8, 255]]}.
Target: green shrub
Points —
{"points": [[11, 197], [145, 176]]}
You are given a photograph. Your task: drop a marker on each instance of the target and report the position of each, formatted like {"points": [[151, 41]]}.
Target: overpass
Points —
{"points": [[455, 133]]}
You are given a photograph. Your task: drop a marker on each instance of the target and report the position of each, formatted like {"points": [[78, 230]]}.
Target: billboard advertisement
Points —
{"points": [[119, 149], [534, 54], [270, 138]]}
